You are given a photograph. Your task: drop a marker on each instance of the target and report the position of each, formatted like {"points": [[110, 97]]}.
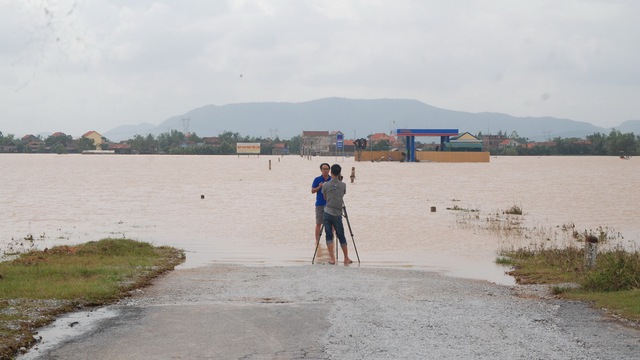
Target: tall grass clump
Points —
{"points": [[616, 270], [514, 210]]}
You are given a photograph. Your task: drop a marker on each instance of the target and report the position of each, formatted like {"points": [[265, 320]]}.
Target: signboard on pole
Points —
{"points": [[339, 141], [248, 148]]}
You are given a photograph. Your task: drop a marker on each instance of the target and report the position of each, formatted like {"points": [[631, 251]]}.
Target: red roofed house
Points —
{"points": [[508, 143], [32, 142], [121, 148], [392, 140]]}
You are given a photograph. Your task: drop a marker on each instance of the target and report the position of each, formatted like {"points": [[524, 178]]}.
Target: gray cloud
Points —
{"points": [[75, 66]]}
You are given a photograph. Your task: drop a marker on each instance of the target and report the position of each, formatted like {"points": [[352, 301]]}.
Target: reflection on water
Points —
{"points": [[235, 209]]}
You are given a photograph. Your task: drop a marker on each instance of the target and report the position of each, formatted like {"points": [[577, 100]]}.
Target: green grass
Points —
{"points": [[625, 304], [614, 282], [38, 285]]}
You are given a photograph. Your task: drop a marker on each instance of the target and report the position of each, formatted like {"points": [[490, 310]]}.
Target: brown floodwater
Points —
{"points": [[230, 209]]}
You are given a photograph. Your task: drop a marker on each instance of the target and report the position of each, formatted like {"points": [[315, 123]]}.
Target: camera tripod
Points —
{"points": [[346, 216]]}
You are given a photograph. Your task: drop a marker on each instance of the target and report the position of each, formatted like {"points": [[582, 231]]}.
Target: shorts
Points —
{"points": [[319, 215]]}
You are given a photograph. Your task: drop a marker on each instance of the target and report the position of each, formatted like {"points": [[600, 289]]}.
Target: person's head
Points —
{"points": [[336, 170], [325, 168]]}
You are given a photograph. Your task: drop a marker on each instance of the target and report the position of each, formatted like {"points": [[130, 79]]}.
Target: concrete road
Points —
{"points": [[339, 312]]}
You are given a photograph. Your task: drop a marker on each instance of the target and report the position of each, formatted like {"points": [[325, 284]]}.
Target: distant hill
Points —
{"points": [[126, 132], [359, 118], [630, 126]]}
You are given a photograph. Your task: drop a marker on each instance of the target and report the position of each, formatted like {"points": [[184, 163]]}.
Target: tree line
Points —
{"points": [[614, 144], [173, 142], [177, 143]]}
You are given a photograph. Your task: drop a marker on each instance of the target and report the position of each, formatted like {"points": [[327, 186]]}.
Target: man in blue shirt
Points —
{"points": [[316, 188]]}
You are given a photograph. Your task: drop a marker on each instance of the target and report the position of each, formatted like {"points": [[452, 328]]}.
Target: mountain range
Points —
{"points": [[357, 118]]}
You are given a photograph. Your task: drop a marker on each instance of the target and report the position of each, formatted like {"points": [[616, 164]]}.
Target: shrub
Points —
{"points": [[616, 270]]}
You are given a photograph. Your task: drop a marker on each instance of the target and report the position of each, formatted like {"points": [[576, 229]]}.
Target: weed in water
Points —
{"points": [[458, 208], [514, 210], [503, 260]]}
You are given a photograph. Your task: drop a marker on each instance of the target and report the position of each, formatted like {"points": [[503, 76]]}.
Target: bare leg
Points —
{"points": [[318, 228], [331, 248], [347, 261]]}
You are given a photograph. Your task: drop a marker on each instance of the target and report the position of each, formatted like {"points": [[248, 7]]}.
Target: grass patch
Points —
{"points": [[613, 283], [39, 285], [624, 304]]}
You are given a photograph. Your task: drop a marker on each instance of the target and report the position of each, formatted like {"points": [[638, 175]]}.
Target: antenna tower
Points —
{"points": [[186, 122]]}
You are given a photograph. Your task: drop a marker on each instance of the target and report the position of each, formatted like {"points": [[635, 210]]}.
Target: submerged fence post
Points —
{"points": [[590, 250]]}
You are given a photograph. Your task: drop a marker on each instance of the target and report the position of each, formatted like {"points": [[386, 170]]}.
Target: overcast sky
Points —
{"points": [[75, 66]]}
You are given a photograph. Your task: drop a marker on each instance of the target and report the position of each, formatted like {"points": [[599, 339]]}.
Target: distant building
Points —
{"points": [[325, 143], [315, 143], [121, 148], [212, 141], [492, 142], [506, 143], [349, 147], [464, 142], [32, 142], [8, 149], [29, 138], [280, 149], [531, 145], [96, 137], [333, 143], [378, 137]]}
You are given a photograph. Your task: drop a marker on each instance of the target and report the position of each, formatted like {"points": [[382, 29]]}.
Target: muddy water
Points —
{"points": [[235, 209]]}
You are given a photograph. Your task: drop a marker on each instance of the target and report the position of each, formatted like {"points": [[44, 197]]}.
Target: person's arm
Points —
{"points": [[317, 187]]}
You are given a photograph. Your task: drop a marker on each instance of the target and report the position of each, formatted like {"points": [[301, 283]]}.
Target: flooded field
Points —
{"points": [[230, 209]]}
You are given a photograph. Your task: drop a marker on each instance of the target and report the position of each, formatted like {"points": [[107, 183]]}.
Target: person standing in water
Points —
{"points": [[316, 188], [333, 192]]}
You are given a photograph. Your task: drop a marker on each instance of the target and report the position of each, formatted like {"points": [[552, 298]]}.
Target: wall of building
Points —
{"points": [[433, 156]]}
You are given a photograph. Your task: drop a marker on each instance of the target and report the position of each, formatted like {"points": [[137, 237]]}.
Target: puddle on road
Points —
{"points": [[65, 328]]}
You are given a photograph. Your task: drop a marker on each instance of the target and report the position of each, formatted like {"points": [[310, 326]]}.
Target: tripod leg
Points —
{"points": [[346, 216], [317, 244]]}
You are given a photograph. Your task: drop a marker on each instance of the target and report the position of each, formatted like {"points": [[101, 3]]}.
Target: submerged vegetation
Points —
{"points": [[557, 256], [37, 286], [514, 210]]}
